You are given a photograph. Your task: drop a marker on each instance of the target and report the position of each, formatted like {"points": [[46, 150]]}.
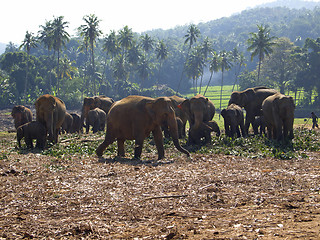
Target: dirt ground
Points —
{"points": [[204, 197]]}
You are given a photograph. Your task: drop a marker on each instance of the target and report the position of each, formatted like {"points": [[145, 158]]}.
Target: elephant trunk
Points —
{"points": [[198, 119], [173, 128], [50, 127], [84, 113]]}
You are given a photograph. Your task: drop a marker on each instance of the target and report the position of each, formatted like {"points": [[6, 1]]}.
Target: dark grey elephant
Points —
{"points": [[233, 120], [251, 100], [195, 137], [32, 130], [67, 123], [259, 125], [76, 123], [97, 119], [21, 115], [278, 111]]}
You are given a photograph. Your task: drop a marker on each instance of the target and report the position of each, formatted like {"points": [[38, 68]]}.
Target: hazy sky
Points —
{"points": [[19, 16]]}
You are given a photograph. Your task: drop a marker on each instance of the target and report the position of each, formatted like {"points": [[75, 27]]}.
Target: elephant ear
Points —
{"points": [[223, 112], [275, 104], [150, 110]]}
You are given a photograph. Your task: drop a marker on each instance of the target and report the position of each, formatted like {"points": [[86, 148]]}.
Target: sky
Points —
{"points": [[19, 16]]}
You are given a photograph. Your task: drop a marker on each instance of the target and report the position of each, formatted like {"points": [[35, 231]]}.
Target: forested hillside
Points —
{"points": [[162, 62]]}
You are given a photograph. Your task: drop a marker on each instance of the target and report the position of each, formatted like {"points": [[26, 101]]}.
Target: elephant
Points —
{"points": [[233, 119], [76, 123], [50, 111], [32, 130], [97, 119], [165, 128], [134, 118], [195, 136], [251, 100], [176, 100], [278, 111], [259, 125], [67, 123], [90, 103], [199, 110], [21, 115]]}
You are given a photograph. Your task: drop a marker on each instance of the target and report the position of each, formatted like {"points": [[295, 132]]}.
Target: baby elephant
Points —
{"points": [[233, 119], [32, 130], [195, 136], [97, 119]]}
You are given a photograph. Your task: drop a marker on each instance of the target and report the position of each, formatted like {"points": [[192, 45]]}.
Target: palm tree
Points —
{"points": [[162, 54], [111, 46], [206, 48], [28, 43], [60, 37], [194, 66], [225, 65], [147, 43], [46, 38], [191, 37], [90, 32], [239, 59], [144, 69], [214, 66], [260, 44], [125, 38]]}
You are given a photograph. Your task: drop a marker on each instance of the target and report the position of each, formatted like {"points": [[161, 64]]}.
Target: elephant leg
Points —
{"points": [[107, 141], [242, 130], [138, 148], [158, 139], [238, 132], [249, 120], [121, 152], [28, 141]]}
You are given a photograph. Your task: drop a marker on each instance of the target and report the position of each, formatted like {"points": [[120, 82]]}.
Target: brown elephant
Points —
{"points": [[251, 100], [76, 123], [97, 119], [233, 120], [199, 110], [32, 130], [196, 136], [21, 115], [90, 103], [176, 100], [278, 112], [67, 123], [134, 118], [51, 112], [166, 131]]}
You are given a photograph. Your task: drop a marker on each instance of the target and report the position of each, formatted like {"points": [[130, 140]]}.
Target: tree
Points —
{"points": [[214, 66], [147, 43], [260, 44], [162, 54], [126, 38], [60, 37], [90, 32], [191, 37], [280, 67], [194, 66], [206, 48], [225, 65], [28, 43], [239, 60]]}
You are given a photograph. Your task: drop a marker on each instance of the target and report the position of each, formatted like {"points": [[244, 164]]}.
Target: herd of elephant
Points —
{"points": [[135, 117]]}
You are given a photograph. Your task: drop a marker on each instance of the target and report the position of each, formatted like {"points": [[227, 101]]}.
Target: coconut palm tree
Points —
{"points": [[191, 37], [194, 66], [90, 31], [125, 38], [239, 59], [147, 43], [29, 42], [162, 54], [206, 48], [214, 66], [60, 38], [260, 44], [225, 66]]}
